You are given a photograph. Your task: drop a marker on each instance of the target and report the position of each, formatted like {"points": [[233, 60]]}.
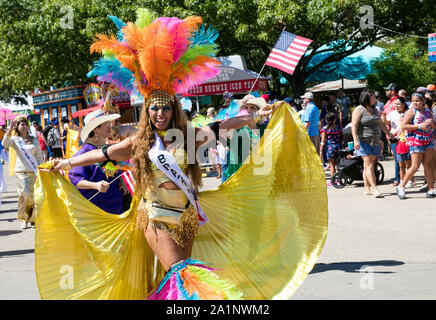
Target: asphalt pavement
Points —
{"points": [[375, 249]]}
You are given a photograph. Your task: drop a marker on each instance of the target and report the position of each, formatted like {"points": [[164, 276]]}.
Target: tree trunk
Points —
{"points": [[297, 84]]}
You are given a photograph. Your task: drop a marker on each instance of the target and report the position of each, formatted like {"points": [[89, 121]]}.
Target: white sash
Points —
{"points": [[24, 155], [166, 162]]}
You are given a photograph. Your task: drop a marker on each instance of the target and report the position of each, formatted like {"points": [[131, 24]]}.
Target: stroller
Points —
{"points": [[351, 168]]}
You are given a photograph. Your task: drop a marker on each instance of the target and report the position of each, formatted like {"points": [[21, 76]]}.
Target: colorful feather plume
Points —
{"points": [[163, 53]]}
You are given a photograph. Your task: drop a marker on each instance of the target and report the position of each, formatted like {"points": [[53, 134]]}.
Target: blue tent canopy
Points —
{"points": [[354, 67]]}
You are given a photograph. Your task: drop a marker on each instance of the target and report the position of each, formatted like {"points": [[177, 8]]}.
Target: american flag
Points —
{"points": [[432, 47], [128, 179], [287, 51]]}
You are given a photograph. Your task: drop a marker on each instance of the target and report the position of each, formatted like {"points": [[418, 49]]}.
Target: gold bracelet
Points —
{"points": [[65, 164]]}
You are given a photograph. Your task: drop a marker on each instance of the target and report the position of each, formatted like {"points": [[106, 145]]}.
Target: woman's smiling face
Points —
{"points": [[160, 116], [23, 127]]}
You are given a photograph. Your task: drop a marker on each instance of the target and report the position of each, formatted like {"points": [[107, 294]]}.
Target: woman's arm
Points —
{"points": [[321, 149], [235, 123], [6, 142], [117, 152], [385, 130], [100, 186], [357, 115], [405, 123]]}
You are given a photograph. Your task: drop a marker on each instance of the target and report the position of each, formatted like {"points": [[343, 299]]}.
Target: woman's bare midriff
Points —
{"points": [[166, 250]]}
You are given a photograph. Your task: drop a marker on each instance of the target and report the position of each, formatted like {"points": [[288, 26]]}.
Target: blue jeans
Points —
{"points": [[223, 173], [397, 166]]}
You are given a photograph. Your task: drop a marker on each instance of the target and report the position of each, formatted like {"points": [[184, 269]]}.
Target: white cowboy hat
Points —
{"points": [[258, 102], [93, 120]]}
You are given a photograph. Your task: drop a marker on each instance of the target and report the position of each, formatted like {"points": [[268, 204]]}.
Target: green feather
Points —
{"points": [[145, 17], [198, 50]]}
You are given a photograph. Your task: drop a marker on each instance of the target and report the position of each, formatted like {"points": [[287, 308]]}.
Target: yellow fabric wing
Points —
{"points": [[73, 138], [82, 252], [12, 161], [268, 221]]}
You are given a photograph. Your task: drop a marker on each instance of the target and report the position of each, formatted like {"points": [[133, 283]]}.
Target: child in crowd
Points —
{"points": [[220, 158], [331, 137]]}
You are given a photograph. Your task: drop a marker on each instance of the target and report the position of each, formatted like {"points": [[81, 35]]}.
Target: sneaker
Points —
{"points": [[24, 225], [396, 183], [409, 185], [378, 194], [401, 192], [431, 194]]}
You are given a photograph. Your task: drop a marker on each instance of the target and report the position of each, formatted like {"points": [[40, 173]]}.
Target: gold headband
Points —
{"points": [[160, 98]]}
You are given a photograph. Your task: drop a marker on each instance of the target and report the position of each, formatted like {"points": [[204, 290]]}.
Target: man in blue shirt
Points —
{"points": [[310, 119]]}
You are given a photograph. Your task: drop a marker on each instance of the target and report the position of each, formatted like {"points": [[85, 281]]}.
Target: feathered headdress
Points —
{"points": [[167, 55]]}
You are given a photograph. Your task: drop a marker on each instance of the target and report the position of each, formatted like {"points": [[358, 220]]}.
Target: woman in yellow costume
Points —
{"points": [[263, 229]]}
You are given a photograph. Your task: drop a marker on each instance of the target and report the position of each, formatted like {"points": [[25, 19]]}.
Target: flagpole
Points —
{"points": [[258, 76], [109, 184]]}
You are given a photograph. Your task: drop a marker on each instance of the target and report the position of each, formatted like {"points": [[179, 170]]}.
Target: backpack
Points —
{"points": [[51, 138], [46, 131]]}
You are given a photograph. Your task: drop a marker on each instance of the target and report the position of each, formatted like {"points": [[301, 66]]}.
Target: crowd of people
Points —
{"points": [[404, 125]]}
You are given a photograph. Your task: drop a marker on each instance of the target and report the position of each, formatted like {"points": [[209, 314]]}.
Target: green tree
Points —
{"points": [[251, 28], [404, 62], [35, 51], [46, 42]]}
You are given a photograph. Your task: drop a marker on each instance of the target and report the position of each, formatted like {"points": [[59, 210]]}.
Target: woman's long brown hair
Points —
{"points": [[145, 139]]}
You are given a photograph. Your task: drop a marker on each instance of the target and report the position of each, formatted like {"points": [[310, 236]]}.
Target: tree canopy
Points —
{"points": [[404, 62], [46, 42]]}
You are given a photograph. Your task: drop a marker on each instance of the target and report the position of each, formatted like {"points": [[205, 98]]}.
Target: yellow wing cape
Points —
{"points": [[268, 224], [73, 138]]}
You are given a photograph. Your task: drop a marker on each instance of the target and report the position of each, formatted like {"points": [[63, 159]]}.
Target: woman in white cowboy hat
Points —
{"points": [[94, 181]]}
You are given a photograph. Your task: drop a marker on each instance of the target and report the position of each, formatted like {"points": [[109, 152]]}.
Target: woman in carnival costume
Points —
{"points": [[29, 156], [263, 229]]}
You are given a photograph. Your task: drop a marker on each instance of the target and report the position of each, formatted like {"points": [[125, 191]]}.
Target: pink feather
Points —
{"points": [[180, 35], [198, 74]]}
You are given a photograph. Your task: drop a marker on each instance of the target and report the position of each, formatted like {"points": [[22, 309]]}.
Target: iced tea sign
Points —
{"points": [[229, 79]]}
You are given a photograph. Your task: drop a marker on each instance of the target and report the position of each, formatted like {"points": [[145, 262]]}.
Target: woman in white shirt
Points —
{"points": [[402, 155], [29, 156]]}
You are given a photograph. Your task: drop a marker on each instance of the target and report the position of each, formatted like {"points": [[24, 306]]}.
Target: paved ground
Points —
{"points": [[375, 249]]}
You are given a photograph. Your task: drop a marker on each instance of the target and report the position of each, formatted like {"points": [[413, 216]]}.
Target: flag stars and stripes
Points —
{"points": [[287, 52]]}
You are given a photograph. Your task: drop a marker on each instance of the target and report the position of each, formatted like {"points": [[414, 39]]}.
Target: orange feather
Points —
{"points": [[204, 291], [155, 56], [193, 22]]}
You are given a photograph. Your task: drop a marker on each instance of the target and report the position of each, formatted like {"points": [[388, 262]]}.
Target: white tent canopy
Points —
{"points": [[336, 85]]}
